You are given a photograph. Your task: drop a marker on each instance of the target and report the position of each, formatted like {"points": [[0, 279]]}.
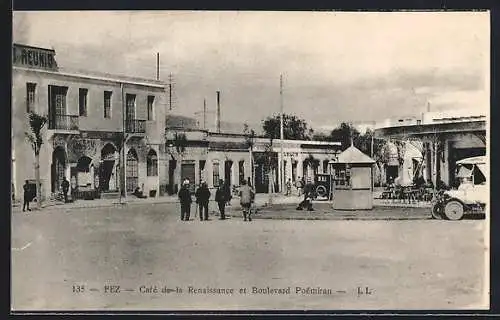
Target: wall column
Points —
{"points": [[300, 171], [209, 172], [235, 173]]}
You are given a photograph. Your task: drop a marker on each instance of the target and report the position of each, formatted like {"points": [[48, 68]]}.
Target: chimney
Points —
{"points": [[217, 116]]}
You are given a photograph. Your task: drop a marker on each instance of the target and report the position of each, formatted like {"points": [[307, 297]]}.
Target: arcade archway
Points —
{"points": [[58, 168], [107, 168], [132, 170]]}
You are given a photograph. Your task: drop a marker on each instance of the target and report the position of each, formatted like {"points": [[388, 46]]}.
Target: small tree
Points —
{"points": [[250, 141], [270, 156], [179, 141], [35, 138], [294, 128], [343, 134]]}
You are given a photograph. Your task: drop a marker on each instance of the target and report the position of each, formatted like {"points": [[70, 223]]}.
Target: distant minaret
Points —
{"points": [[428, 106], [217, 116]]}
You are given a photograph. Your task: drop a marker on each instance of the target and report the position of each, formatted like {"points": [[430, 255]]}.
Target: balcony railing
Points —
{"points": [[135, 126], [63, 122]]}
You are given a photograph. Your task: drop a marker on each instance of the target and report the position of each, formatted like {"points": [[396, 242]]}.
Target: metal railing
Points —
{"points": [[63, 122], [135, 126]]}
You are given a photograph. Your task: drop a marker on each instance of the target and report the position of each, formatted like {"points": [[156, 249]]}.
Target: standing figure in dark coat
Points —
{"points": [[227, 190], [221, 199], [202, 199], [185, 200], [65, 187], [28, 196]]}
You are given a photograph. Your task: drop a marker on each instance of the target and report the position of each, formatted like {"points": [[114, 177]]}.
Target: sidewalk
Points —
{"points": [[261, 200]]}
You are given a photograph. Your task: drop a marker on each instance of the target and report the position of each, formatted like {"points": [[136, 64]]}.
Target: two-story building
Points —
{"points": [[90, 117]]}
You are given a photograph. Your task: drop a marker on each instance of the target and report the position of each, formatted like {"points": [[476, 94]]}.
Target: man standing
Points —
{"points": [[202, 199], [299, 184], [65, 187], [221, 198], [27, 196], [289, 187], [246, 197], [185, 200]]}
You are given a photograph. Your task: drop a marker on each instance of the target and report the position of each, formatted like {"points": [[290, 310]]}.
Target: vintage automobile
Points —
{"points": [[322, 185], [470, 197]]}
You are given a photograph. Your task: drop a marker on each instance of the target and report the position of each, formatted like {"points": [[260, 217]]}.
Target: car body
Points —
{"points": [[322, 185], [472, 194]]}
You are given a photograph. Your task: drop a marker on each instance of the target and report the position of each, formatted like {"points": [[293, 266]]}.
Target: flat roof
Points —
{"points": [[92, 75]]}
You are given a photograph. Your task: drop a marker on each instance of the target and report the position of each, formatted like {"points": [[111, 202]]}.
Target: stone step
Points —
{"points": [[110, 195]]}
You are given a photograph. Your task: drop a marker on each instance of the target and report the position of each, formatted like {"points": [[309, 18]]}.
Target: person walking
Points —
{"points": [[65, 187], [227, 190], [299, 184], [289, 187], [185, 200], [246, 198], [28, 196], [202, 198], [221, 199]]}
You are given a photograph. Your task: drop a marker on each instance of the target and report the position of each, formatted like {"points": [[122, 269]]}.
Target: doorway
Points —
{"points": [[107, 168], [58, 168], [132, 170]]}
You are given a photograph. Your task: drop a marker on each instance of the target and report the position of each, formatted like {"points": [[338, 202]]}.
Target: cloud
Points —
{"points": [[336, 66]]}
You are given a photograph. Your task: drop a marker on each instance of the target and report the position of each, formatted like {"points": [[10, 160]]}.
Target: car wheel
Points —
{"points": [[437, 212], [454, 210], [321, 191]]}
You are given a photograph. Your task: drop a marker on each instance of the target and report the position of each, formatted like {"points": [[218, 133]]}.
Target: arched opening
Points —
{"points": [[132, 170], [84, 178], [152, 164], [107, 172], [58, 168]]}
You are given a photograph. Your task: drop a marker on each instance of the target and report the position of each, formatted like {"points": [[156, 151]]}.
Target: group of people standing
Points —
{"points": [[222, 197], [29, 193]]}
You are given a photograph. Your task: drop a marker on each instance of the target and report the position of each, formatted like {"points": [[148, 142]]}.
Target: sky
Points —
{"points": [[336, 66]]}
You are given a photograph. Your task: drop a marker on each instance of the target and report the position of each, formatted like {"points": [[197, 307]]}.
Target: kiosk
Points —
{"points": [[352, 180]]}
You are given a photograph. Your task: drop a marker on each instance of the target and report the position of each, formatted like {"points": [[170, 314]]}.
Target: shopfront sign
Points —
{"points": [[33, 57]]}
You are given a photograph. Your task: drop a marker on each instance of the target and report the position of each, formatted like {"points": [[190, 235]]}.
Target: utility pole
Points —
{"points": [[122, 152], [372, 134], [204, 114], [170, 90], [157, 66], [281, 174]]}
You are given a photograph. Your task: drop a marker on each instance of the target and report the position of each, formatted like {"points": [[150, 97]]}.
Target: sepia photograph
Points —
{"points": [[250, 160]]}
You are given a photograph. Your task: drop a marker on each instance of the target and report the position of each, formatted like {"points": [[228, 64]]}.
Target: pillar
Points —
{"points": [[280, 172], [209, 172], [197, 177], [91, 172], [235, 173], [67, 174], [300, 171]]}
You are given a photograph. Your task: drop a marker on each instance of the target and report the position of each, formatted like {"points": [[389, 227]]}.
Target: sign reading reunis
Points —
{"points": [[32, 57]]}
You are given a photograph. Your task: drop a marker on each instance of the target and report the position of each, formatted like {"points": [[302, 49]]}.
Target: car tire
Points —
{"points": [[321, 191], [437, 212], [454, 210]]}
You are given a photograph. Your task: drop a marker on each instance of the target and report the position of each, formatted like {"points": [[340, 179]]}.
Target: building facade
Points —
{"points": [[213, 156], [444, 138], [90, 117]]}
